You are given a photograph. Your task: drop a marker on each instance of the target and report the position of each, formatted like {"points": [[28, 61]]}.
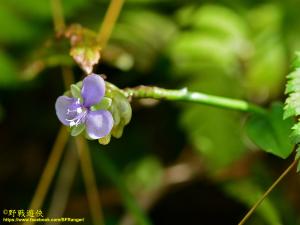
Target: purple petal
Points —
{"points": [[62, 104], [93, 90], [99, 123]]}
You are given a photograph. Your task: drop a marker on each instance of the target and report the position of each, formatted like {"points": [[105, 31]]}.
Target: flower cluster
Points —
{"points": [[81, 112]]}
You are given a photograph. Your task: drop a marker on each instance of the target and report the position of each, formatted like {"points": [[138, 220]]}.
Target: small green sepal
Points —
{"points": [[76, 130]]}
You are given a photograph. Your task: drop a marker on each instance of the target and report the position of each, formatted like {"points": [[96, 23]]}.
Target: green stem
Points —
{"points": [[63, 186], [58, 17], [110, 19], [196, 97], [89, 180], [49, 171]]}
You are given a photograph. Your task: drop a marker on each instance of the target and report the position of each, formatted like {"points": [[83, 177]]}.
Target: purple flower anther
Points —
{"points": [[73, 112]]}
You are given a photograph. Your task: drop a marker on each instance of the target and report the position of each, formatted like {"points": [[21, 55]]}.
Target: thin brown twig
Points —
{"points": [[89, 180], [261, 199]]}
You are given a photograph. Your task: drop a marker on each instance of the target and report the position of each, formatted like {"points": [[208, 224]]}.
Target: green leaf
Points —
{"points": [[297, 158], [76, 130], [8, 70], [295, 135], [292, 103], [270, 132]]}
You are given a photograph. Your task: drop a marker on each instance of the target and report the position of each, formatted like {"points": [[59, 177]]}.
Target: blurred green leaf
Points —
{"points": [[267, 62], [207, 55], [216, 38], [41, 10], [270, 132], [14, 28], [207, 128], [193, 50], [138, 39], [8, 70], [221, 21], [109, 169], [51, 52], [145, 174], [32, 8]]}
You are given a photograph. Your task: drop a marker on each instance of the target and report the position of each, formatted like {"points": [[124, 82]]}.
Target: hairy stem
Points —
{"points": [[49, 171], [89, 180], [58, 17], [110, 19], [261, 199], [196, 97]]}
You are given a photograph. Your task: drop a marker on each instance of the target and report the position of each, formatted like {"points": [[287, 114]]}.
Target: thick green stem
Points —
{"points": [[196, 97]]}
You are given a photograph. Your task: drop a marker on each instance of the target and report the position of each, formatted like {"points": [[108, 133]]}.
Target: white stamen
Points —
{"points": [[79, 110], [77, 119]]}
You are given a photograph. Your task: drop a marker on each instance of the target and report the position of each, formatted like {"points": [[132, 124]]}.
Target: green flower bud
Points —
{"points": [[105, 140], [120, 109]]}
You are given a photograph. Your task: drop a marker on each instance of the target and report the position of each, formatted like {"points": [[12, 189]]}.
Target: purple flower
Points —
{"points": [[77, 112]]}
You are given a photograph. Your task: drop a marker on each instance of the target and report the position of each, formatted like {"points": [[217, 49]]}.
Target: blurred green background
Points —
{"points": [[183, 163]]}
